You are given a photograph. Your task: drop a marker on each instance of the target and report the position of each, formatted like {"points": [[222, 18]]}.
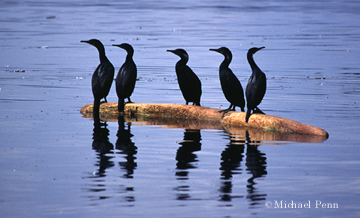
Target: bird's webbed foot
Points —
{"points": [[257, 111], [231, 108], [129, 101]]}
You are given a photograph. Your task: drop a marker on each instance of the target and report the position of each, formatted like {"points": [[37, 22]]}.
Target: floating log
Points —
{"points": [[189, 112], [238, 132]]}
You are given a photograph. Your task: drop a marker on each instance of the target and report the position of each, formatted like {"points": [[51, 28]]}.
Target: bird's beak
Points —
{"points": [[172, 51], [119, 45], [84, 41], [258, 49], [214, 49]]}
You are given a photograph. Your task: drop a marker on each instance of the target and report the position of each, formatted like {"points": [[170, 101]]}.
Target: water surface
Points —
{"points": [[57, 163]]}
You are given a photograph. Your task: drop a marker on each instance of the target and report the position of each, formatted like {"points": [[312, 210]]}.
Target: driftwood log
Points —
{"points": [[209, 117]]}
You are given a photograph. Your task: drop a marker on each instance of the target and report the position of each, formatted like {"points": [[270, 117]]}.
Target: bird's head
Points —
{"points": [[94, 42], [224, 51], [180, 52], [254, 50], [125, 46]]}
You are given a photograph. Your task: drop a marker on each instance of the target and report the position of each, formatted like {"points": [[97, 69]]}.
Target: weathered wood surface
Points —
{"points": [[189, 112]]}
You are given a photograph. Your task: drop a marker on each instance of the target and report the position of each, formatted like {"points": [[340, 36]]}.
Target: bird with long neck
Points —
{"points": [[189, 82], [256, 87], [230, 84], [102, 77], [126, 77]]}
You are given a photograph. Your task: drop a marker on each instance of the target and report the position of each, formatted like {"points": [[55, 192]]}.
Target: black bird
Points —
{"points": [[230, 84], [103, 76], [256, 87], [126, 78], [189, 83]]}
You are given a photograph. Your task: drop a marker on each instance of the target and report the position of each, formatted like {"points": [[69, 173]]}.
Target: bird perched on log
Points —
{"points": [[126, 77], [103, 76], [256, 87], [189, 83], [230, 84]]}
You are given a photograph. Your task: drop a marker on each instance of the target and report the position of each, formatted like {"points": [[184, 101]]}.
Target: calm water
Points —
{"points": [[56, 163]]}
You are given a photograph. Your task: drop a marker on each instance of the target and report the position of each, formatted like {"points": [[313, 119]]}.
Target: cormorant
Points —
{"points": [[189, 83], [256, 87], [103, 76], [230, 84], [126, 77]]}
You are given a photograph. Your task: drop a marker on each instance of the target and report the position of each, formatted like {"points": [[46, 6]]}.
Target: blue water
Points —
{"points": [[52, 167]]}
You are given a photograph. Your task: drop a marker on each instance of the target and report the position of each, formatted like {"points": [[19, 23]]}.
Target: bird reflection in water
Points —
{"points": [[256, 166], [231, 159], [231, 164], [104, 151], [185, 159], [126, 148], [102, 146]]}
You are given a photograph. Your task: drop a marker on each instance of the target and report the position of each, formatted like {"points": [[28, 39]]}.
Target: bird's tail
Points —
{"points": [[247, 115], [96, 109], [121, 105]]}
